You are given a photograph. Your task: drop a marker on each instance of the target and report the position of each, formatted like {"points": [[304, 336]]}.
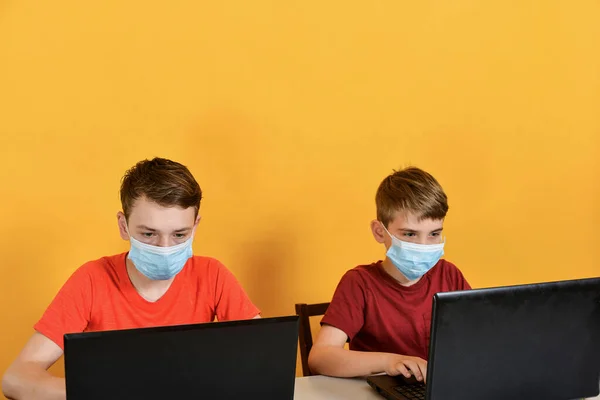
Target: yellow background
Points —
{"points": [[289, 114]]}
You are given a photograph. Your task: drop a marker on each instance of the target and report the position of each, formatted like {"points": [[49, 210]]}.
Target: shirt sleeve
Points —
{"points": [[347, 308], [232, 302], [70, 310]]}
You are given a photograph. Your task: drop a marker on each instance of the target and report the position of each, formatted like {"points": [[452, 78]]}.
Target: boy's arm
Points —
{"points": [[28, 379], [329, 357]]}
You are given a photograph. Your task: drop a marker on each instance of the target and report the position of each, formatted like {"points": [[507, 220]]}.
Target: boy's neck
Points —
{"points": [[149, 289], [392, 271]]}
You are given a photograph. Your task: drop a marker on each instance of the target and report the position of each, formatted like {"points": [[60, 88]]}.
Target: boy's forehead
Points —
{"points": [[153, 215], [410, 220]]}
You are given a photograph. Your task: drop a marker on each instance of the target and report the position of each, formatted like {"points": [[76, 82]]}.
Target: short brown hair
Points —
{"points": [[410, 189], [162, 181]]}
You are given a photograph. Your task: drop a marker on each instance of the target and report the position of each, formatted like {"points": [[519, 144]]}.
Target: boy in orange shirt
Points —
{"points": [[158, 282]]}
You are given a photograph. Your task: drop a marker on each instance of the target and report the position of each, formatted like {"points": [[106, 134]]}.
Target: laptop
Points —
{"points": [[539, 341], [253, 359]]}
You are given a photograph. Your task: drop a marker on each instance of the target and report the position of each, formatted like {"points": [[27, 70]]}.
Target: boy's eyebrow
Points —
{"points": [[144, 227], [414, 231]]}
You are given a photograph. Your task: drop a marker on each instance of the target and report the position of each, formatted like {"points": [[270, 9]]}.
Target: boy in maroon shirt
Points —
{"points": [[384, 308]]}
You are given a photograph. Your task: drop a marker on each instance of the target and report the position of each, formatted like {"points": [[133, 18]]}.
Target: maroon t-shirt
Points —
{"points": [[379, 314]]}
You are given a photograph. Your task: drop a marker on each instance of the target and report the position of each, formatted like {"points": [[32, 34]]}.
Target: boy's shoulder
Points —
{"points": [[363, 273], [108, 270], [205, 269], [365, 269], [446, 269], [447, 277], [103, 266], [204, 264]]}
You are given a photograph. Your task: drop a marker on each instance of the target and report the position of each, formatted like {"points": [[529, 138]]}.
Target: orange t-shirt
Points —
{"points": [[99, 296]]}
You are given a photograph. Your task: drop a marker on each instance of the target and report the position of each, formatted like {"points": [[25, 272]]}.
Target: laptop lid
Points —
{"points": [[222, 360], [539, 341]]}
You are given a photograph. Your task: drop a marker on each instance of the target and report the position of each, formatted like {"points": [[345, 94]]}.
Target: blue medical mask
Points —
{"points": [[159, 263], [413, 260]]}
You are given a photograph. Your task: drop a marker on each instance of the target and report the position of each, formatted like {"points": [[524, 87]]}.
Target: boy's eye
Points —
{"points": [[147, 234], [435, 234], [180, 235], [409, 234]]}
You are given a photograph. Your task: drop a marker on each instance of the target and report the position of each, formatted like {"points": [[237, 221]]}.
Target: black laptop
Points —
{"points": [[254, 359], [539, 341]]}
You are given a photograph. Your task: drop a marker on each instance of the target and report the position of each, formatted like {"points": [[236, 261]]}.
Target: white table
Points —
{"points": [[325, 388]]}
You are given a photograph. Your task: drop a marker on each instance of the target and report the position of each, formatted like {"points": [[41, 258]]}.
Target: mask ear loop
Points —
{"points": [[385, 229]]}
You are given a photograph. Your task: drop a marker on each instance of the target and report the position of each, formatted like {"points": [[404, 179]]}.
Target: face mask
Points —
{"points": [[159, 263], [413, 260]]}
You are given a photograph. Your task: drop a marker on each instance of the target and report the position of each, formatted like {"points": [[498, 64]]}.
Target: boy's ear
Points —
{"points": [[122, 223], [378, 232]]}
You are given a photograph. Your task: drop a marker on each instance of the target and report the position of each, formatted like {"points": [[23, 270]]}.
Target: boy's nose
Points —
{"points": [[422, 241], [164, 242]]}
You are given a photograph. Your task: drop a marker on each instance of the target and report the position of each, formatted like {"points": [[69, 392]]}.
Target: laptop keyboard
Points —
{"points": [[416, 391]]}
